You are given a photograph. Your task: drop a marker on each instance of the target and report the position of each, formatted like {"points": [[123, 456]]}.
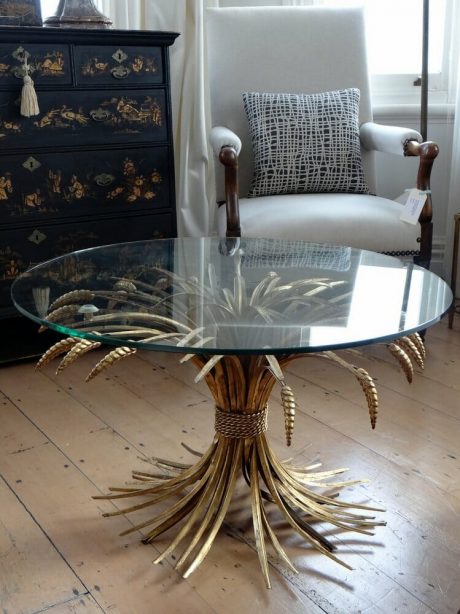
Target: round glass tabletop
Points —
{"points": [[231, 296]]}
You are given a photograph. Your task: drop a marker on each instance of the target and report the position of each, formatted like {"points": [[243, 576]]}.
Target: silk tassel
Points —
{"points": [[29, 102]]}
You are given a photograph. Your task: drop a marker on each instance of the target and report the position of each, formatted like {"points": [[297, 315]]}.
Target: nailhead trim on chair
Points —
{"points": [[403, 253]]}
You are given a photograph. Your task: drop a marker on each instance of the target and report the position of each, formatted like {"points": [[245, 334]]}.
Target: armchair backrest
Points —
{"points": [[283, 49]]}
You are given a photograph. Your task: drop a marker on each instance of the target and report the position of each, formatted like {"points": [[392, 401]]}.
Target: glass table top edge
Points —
{"points": [[192, 244], [174, 349]]}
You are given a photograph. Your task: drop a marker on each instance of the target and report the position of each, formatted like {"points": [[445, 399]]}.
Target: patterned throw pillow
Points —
{"points": [[305, 142]]}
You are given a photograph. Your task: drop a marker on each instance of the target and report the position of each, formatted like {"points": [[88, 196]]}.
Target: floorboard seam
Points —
{"points": [[70, 600], [8, 485]]}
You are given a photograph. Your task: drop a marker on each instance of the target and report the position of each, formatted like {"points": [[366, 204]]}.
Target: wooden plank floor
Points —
{"points": [[62, 441]]}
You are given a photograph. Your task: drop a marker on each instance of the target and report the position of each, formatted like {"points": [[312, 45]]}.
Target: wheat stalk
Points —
{"points": [[111, 358], [403, 359], [61, 313], [61, 347], [289, 407], [82, 347], [75, 296], [411, 350]]}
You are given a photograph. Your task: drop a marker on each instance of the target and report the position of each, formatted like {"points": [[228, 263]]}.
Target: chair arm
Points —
{"points": [[388, 139], [403, 141], [227, 145], [221, 137], [427, 153]]}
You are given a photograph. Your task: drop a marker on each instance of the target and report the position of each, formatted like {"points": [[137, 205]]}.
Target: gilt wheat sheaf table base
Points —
{"points": [[241, 387]]}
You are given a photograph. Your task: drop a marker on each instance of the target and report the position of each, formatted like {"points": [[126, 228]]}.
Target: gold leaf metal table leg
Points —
{"points": [[241, 387], [257, 517]]}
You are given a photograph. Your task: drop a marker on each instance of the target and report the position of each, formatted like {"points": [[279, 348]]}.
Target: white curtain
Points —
{"points": [[124, 14], [195, 195], [454, 98]]}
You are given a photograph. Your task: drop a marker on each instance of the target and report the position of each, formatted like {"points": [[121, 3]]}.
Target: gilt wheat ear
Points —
{"points": [[61, 313], [111, 358], [289, 406], [365, 381], [419, 343], [408, 345], [370, 391], [403, 359], [82, 347], [412, 349], [61, 347], [75, 296]]}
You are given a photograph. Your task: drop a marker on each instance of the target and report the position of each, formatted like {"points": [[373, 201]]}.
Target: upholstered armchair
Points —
{"points": [[260, 59]]}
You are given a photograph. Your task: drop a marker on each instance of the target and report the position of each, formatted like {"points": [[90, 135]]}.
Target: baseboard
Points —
{"points": [[21, 340]]}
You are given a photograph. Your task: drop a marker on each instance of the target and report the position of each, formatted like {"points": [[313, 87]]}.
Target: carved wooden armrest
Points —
{"points": [[229, 158], [407, 142], [427, 153]]}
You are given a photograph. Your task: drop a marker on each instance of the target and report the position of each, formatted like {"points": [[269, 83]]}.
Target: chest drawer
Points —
{"points": [[25, 247], [39, 186], [84, 118], [49, 64], [118, 65]]}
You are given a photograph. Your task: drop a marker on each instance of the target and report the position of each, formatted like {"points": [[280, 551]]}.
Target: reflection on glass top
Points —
{"points": [[224, 296]]}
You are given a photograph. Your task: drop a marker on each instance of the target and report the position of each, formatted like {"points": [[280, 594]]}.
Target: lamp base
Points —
{"points": [[77, 14]]}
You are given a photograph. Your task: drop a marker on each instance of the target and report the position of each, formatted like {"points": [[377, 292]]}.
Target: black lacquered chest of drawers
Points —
{"points": [[96, 165]]}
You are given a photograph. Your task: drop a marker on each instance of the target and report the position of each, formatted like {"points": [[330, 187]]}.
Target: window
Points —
{"points": [[394, 41]]}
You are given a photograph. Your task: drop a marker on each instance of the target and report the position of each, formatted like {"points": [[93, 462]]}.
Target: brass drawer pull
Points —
{"points": [[100, 115], [120, 72], [104, 179]]}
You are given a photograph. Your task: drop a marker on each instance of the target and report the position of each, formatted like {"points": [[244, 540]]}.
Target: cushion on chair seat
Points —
{"points": [[365, 222]]}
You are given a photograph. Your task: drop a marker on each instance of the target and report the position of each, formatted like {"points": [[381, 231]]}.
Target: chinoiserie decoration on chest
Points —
{"points": [[88, 160]]}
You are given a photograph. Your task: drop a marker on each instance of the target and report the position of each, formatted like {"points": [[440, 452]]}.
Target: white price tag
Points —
{"points": [[413, 207]]}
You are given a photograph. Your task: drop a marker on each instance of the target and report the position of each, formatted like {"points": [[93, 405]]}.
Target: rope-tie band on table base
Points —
{"points": [[238, 426]]}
